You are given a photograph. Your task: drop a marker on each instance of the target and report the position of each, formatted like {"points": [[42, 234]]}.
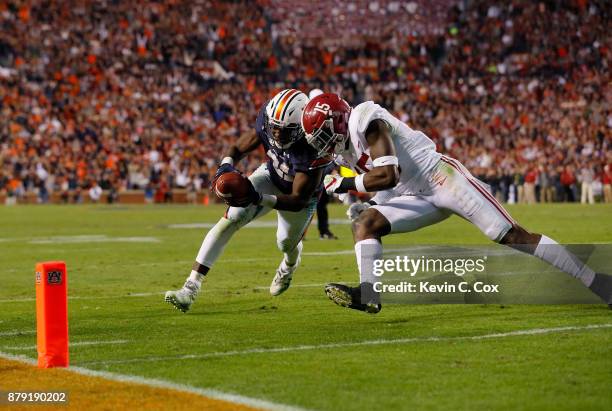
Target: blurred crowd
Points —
{"points": [[110, 95]]}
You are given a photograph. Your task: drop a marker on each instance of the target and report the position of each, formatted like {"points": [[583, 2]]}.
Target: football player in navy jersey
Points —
{"points": [[290, 182]]}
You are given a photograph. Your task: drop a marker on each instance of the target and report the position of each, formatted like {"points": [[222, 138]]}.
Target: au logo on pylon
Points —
{"points": [[52, 314]]}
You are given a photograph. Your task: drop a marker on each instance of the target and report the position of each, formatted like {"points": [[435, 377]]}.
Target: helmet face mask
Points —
{"points": [[283, 136], [325, 123], [325, 140]]}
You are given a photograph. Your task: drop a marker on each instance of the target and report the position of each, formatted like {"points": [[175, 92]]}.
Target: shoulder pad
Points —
{"points": [[365, 113]]}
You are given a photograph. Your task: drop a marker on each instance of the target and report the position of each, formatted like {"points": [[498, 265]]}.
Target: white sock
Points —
{"points": [[196, 277], [215, 241], [292, 256], [553, 253], [367, 251]]}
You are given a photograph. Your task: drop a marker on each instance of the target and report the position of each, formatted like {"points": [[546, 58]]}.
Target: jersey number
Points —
{"points": [[280, 166]]}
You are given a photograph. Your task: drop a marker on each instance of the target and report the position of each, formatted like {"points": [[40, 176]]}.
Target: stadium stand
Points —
{"points": [[145, 96]]}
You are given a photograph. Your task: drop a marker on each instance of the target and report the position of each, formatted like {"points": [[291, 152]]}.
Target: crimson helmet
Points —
{"points": [[325, 123]]}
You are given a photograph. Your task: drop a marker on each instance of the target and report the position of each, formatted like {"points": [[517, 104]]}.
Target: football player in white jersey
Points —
{"points": [[416, 187]]}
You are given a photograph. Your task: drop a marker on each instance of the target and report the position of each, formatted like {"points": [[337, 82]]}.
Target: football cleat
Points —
{"points": [[183, 298], [283, 277], [350, 297], [328, 235], [602, 286]]}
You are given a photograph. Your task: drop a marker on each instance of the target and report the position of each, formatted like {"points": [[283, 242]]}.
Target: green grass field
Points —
{"points": [[299, 349]]}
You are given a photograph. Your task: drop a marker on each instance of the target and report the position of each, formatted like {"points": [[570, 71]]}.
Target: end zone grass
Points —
{"points": [[299, 348], [96, 393]]}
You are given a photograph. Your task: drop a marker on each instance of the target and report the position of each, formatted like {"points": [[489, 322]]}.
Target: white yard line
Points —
{"points": [[150, 382], [70, 344], [265, 287], [156, 293], [17, 332], [76, 297], [255, 402], [324, 253], [534, 331], [81, 239]]}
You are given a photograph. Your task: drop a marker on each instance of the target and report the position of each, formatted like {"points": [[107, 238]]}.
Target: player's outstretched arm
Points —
{"points": [[384, 174], [304, 186], [245, 144]]}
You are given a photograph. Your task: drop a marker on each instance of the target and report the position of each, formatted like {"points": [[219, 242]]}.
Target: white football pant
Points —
{"points": [[291, 225], [455, 191]]}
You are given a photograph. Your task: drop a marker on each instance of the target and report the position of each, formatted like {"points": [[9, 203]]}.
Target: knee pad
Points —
{"points": [[497, 230], [240, 215], [287, 245], [366, 224], [466, 199]]}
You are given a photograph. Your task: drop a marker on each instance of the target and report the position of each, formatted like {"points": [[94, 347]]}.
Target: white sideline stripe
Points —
{"points": [[11, 333], [106, 297], [534, 331], [265, 287], [70, 344], [324, 253], [151, 382], [81, 239]]}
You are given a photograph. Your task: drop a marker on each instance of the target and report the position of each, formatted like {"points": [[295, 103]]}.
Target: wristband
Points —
{"points": [[385, 161], [268, 200], [227, 160], [359, 183]]}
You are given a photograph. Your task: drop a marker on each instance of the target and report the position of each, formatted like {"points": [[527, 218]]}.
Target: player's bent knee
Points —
{"points": [[286, 245], [497, 231], [518, 235], [370, 224], [239, 215]]}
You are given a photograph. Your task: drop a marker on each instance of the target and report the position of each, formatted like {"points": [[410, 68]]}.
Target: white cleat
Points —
{"points": [[282, 279], [183, 298]]}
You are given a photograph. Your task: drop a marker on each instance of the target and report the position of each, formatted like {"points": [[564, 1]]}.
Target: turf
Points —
{"points": [[116, 291]]}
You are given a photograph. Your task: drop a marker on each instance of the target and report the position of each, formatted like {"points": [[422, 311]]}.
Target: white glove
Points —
{"points": [[331, 182], [356, 209]]}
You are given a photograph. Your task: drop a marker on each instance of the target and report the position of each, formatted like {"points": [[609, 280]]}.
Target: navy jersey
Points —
{"points": [[284, 163]]}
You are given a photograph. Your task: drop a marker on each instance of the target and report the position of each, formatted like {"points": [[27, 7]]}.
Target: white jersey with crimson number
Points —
{"points": [[416, 153], [431, 187]]}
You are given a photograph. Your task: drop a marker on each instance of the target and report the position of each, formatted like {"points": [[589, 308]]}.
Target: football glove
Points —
{"points": [[223, 168], [356, 209], [253, 197], [332, 182]]}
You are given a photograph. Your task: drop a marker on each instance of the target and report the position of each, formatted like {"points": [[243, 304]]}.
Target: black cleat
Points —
{"points": [[602, 286], [328, 235], [350, 297]]}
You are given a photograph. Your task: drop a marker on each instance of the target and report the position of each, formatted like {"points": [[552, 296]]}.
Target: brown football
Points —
{"points": [[232, 186]]}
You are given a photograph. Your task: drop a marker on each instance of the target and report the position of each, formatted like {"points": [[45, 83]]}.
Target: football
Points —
{"points": [[233, 186]]}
